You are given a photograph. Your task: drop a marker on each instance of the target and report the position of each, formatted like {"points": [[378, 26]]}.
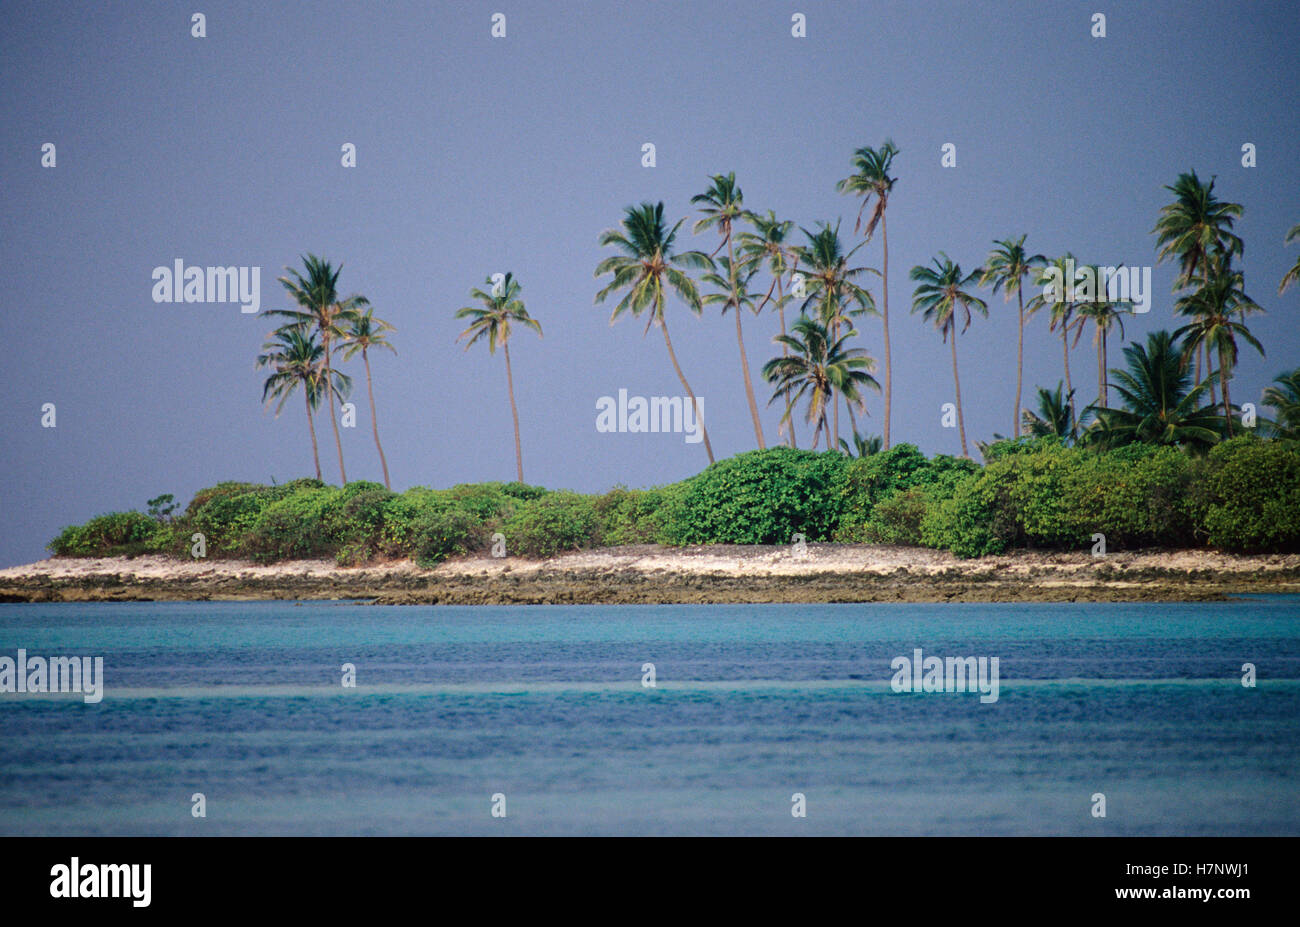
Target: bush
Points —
{"points": [[547, 525], [886, 495], [1136, 495], [629, 516], [292, 528], [760, 497], [1252, 496], [113, 535]]}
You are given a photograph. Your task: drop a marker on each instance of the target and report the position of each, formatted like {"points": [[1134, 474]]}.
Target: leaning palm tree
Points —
{"points": [[320, 308], [1057, 297], [722, 204], [940, 297], [1292, 275], [1283, 397], [1161, 405], [1194, 228], [646, 264], [766, 245], [1104, 314], [364, 333], [818, 367], [834, 288], [296, 359], [1216, 309], [1006, 268], [1055, 416], [498, 309], [873, 182]]}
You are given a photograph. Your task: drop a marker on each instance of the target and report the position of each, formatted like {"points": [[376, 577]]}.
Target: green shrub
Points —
{"points": [[113, 535], [886, 495], [549, 524], [629, 516], [1252, 496], [759, 497], [1137, 495], [292, 528]]}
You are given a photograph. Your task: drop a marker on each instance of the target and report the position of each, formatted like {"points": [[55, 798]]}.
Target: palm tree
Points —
{"points": [[1216, 309], [1055, 416], [874, 184], [833, 287], [1006, 269], [1194, 228], [939, 298], [499, 308], [767, 244], [863, 445], [1284, 398], [297, 360], [368, 332], [1161, 404], [319, 307], [722, 204], [1105, 314], [818, 367], [1292, 275], [646, 264], [1060, 308]]}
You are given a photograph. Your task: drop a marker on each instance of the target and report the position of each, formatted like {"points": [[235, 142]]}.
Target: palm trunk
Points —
{"points": [[699, 418], [785, 352], [961, 422], [1223, 381], [835, 396], [1101, 368], [311, 427], [329, 392], [1020, 359], [514, 413], [1105, 386], [740, 340], [889, 366], [1069, 389], [374, 422]]}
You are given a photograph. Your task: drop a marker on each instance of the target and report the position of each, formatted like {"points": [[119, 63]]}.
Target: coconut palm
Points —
{"points": [[1216, 309], [863, 445], [319, 307], [1194, 228], [1055, 416], [1006, 268], [1284, 399], [646, 265], [818, 367], [766, 245], [1292, 275], [1056, 280], [1097, 307], [873, 182], [296, 359], [366, 332], [1161, 405], [834, 288], [722, 204], [498, 309], [941, 298]]}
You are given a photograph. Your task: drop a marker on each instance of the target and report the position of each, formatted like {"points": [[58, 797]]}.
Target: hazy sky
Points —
{"points": [[478, 155]]}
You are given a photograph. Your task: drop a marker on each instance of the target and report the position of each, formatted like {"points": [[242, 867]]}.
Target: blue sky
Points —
{"points": [[477, 155]]}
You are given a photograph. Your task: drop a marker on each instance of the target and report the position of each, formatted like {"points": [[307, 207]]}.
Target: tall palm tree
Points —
{"points": [[767, 245], [873, 182], [319, 307], [1006, 268], [1061, 306], [296, 359], [940, 297], [1292, 275], [1193, 228], [1161, 405], [1216, 309], [1105, 314], [833, 287], [818, 367], [722, 204], [498, 309], [1055, 415], [1284, 399], [646, 264], [364, 333]]}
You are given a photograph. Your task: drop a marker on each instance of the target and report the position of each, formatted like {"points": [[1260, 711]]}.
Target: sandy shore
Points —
{"points": [[650, 574]]}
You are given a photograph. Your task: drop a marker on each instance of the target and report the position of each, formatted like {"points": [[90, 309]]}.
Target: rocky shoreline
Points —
{"points": [[650, 575]]}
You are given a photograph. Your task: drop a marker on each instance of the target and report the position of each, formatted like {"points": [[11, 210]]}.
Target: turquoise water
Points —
{"points": [[242, 702]]}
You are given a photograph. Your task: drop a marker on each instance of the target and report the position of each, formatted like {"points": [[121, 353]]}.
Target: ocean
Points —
{"points": [[763, 719]]}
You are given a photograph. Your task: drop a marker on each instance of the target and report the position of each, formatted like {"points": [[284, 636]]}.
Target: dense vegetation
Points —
{"points": [[1244, 495]]}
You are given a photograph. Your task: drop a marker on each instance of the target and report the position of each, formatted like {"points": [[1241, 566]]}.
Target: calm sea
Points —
{"points": [[545, 708]]}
